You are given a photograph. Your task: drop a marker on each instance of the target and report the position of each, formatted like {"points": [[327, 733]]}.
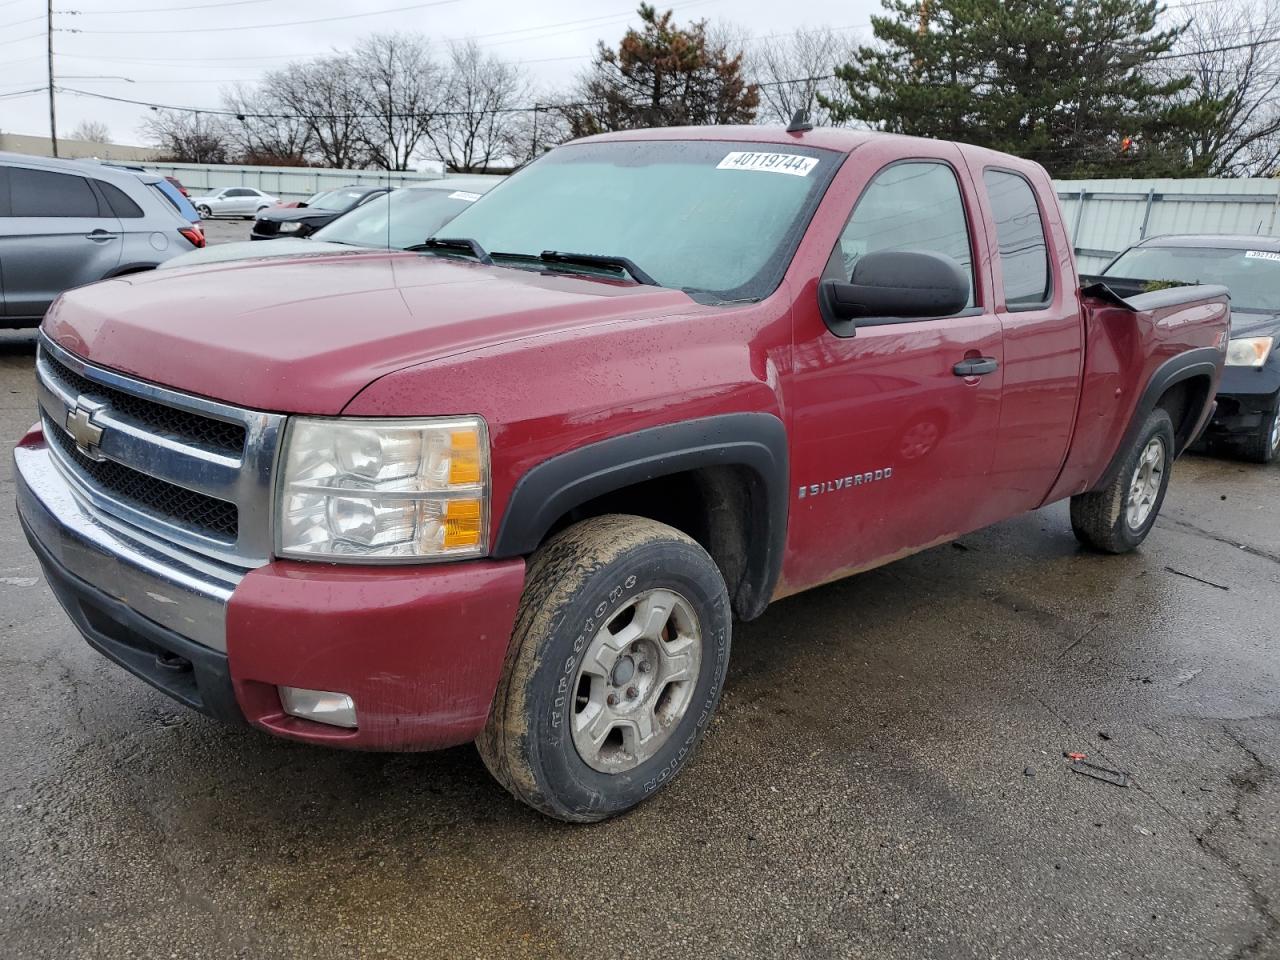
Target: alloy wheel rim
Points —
{"points": [[636, 680], [1145, 485], [1275, 432]]}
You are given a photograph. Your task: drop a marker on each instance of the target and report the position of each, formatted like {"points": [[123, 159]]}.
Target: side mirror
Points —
{"points": [[897, 285]]}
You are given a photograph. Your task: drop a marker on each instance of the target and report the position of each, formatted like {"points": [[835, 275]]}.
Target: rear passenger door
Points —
{"points": [[1043, 333], [58, 233], [241, 201]]}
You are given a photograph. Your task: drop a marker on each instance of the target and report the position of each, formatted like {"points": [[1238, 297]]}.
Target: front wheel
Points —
{"points": [[615, 668], [1118, 517], [205, 212]]}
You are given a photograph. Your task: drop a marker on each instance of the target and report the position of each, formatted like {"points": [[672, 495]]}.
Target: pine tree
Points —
{"points": [[1067, 83], [662, 75]]}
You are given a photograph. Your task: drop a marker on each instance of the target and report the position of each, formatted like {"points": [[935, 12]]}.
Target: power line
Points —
{"points": [[198, 6], [267, 26], [18, 23], [20, 39]]}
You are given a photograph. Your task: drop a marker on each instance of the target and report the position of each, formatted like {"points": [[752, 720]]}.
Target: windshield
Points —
{"points": [[402, 218], [1252, 276], [704, 216], [335, 199]]}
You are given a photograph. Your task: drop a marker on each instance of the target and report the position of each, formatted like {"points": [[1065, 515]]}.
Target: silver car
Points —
{"points": [[396, 220], [233, 202], [64, 223]]}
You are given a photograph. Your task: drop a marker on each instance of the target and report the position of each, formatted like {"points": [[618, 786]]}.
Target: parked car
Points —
{"points": [[515, 486], [178, 199], [400, 219], [233, 202], [1247, 418], [308, 217], [64, 223]]}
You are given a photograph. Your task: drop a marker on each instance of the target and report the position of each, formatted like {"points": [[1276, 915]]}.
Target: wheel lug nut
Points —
{"points": [[632, 693], [645, 666], [612, 700]]}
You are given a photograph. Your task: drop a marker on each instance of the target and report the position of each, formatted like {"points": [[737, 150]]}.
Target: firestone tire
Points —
{"points": [[600, 584], [1118, 518]]}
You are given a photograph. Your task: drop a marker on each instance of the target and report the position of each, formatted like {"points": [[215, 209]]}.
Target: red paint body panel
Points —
{"points": [[304, 335], [556, 362], [419, 649]]}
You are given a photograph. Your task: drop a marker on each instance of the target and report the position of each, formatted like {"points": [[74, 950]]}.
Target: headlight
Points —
{"points": [[289, 226], [1249, 351], [384, 490]]}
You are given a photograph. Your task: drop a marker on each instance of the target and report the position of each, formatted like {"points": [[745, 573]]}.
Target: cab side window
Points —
{"points": [[1024, 257], [910, 206]]}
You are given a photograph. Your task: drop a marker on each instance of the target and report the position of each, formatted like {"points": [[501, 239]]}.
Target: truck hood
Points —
{"points": [[305, 335], [1245, 324]]}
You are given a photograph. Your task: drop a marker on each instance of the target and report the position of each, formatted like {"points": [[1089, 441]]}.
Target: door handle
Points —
{"points": [[975, 367], [101, 235]]}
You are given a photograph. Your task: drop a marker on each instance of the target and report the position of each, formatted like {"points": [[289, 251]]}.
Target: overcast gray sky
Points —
{"points": [[222, 41]]}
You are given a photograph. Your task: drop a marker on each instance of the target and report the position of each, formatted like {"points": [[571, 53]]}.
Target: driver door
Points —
{"points": [[892, 444]]}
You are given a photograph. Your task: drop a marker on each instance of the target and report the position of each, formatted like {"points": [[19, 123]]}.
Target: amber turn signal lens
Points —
{"points": [[464, 457], [462, 523]]}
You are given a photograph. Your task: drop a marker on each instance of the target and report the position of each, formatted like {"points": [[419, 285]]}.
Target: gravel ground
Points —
{"points": [[885, 778]]}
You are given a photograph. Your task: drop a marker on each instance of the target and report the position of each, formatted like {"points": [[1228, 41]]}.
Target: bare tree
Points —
{"points": [[264, 130], [93, 131], [792, 70], [188, 137], [473, 129], [325, 93], [531, 133], [400, 89], [1232, 50]]}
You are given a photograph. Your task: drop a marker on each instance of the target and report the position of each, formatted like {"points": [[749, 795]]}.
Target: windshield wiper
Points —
{"points": [[454, 244], [599, 260]]}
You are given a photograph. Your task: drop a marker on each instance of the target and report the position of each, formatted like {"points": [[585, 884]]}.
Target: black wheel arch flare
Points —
{"points": [[756, 442]]}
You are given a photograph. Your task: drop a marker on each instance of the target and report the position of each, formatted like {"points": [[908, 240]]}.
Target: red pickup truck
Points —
{"points": [[514, 486]]}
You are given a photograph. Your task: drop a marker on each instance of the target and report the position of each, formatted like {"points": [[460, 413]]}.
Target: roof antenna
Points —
{"points": [[799, 122]]}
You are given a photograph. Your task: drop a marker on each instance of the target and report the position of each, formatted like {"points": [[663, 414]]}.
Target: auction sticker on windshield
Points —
{"points": [[791, 163], [464, 195], [1261, 255]]}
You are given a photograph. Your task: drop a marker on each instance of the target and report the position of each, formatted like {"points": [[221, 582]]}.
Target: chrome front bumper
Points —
{"points": [[182, 592]]}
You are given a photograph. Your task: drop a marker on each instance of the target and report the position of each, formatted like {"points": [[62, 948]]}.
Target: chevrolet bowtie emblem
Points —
{"points": [[83, 430]]}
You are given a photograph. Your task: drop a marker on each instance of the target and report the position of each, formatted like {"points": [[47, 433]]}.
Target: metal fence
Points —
{"points": [[1106, 216], [288, 183]]}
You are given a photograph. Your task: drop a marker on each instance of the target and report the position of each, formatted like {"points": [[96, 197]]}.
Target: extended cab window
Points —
{"points": [[40, 193], [1024, 257], [710, 217], [910, 206]]}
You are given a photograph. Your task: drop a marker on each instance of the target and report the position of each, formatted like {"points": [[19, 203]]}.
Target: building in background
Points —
{"points": [[74, 149]]}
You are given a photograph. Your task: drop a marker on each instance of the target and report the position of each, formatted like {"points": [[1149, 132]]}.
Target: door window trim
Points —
{"points": [[1047, 302], [836, 257]]}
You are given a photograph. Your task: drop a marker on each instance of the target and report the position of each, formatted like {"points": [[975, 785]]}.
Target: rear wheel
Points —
{"points": [[1118, 518], [1263, 445], [615, 668]]}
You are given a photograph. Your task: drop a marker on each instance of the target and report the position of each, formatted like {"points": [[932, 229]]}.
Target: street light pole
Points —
{"points": [[53, 120]]}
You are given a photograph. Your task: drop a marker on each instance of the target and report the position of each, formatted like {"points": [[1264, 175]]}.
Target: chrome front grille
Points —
{"points": [[195, 472], [165, 421]]}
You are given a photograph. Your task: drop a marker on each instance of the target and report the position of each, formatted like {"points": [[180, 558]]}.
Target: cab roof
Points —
{"points": [[824, 138], [1220, 241]]}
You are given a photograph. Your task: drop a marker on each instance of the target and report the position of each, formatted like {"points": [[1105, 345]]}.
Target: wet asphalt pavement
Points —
{"points": [[885, 778]]}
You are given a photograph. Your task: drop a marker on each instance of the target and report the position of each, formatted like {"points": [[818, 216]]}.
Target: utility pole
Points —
{"points": [[53, 120]]}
